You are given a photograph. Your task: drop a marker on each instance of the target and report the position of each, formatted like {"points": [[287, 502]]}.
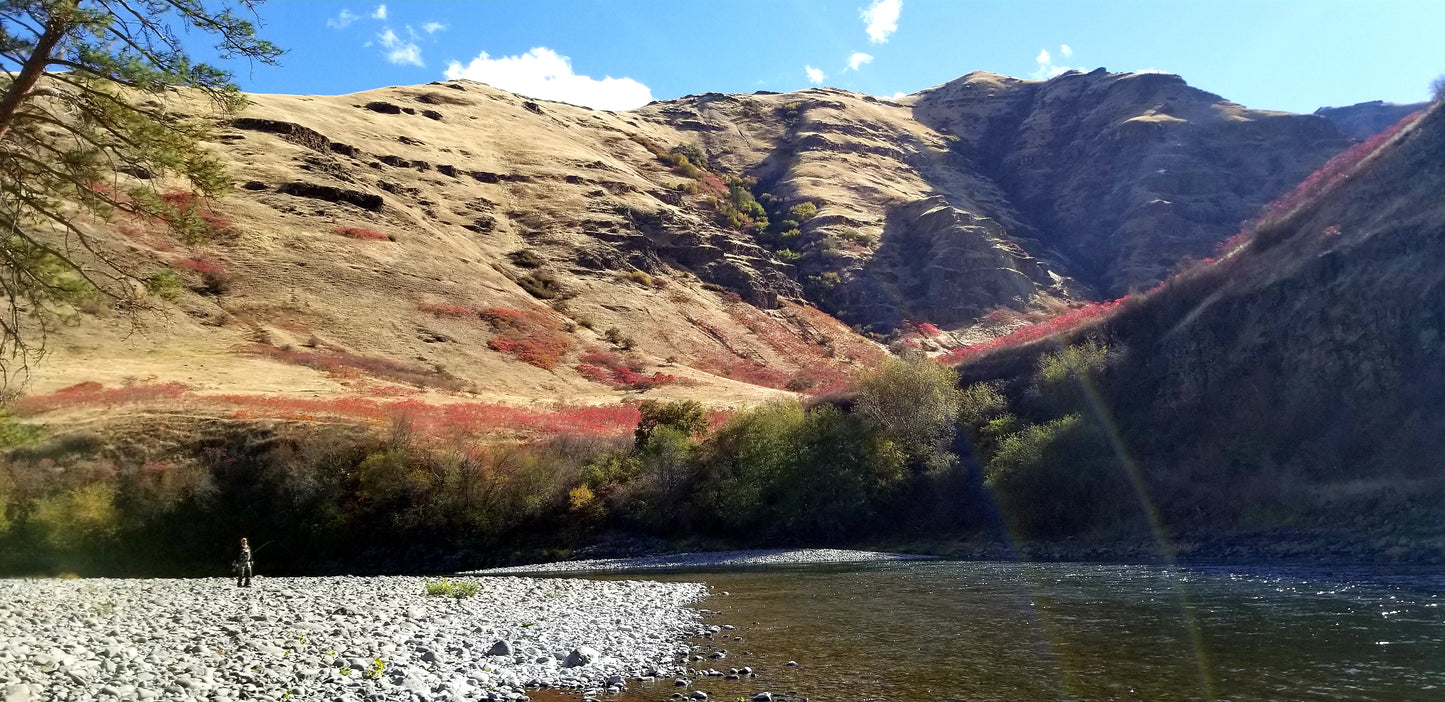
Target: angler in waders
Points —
{"points": [[243, 565]]}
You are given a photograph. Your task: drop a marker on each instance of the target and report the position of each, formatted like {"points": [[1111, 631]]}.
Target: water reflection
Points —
{"points": [[1005, 631]]}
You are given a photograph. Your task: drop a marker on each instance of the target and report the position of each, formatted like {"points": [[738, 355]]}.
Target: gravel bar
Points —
{"points": [[717, 559], [338, 638]]}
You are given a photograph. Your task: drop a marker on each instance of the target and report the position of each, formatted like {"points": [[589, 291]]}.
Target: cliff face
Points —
{"points": [[1302, 373], [1124, 175], [382, 231], [992, 192]]}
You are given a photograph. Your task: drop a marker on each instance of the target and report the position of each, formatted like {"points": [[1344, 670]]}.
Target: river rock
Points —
{"points": [[582, 655]]}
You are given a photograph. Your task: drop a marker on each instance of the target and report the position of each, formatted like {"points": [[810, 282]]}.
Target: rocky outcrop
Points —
{"points": [[1125, 175]]}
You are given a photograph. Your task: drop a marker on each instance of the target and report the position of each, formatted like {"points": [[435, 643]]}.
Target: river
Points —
{"points": [[938, 631]]}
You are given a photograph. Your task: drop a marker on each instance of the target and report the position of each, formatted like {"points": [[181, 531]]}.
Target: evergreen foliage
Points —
{"points": [[87, 95]]}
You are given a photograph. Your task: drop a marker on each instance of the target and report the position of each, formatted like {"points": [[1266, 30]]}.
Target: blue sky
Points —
{"points": [[1276, 54]]}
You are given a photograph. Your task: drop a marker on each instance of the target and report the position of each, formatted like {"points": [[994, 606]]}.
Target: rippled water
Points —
{"points": [[1007, 631]]}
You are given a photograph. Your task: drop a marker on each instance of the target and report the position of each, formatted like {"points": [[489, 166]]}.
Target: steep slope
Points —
{"points": [[1126, 174], [992, 192], [1295, 382], [453, 243], [452, 239], [1365, 119]]}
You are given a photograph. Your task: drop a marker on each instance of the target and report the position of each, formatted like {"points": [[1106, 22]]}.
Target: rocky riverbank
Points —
{"points": [[342, 638]]}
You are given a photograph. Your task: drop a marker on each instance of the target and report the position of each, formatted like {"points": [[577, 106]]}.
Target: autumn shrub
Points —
{"points": [[215, 277], [1333, 172], [92, 394], [640, 277], [1068, 321], [191, 220], [531, 337], [363, 234]]}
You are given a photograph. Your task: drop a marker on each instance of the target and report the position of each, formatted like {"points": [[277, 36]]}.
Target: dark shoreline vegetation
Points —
{"points": [[906, 460]]}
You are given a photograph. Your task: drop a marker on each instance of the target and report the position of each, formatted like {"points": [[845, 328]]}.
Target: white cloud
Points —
{"points": [[379, 13], [399, 51], [340, 21], [1047, 69], [543, 73], [815, 76], [858, 59], [1150, 70], [433, 27], [882, 19]]}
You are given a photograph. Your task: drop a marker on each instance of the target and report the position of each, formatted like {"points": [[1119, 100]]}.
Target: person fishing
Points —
{"points": [[243, 565]]}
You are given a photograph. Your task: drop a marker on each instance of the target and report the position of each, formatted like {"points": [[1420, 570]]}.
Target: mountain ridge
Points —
{"points": [[430, 207]]}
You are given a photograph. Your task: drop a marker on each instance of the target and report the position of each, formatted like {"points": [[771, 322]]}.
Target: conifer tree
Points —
{"points": [[88, 127]]}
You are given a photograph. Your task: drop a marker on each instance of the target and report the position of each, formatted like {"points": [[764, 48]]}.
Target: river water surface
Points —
{"points": [[925, 631]]}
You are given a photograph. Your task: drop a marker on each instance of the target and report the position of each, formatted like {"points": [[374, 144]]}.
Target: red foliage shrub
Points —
{"points": [[362, 234], [1336, 170], [200, 265], [91, 393], [745, 371], [442, 419], [929, 330], [185, 204], [501, 317], [1034, 332], [712, 185], [623, 372], [530, 337], [613, 361]]}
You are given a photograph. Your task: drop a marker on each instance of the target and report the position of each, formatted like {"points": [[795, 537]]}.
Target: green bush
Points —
{"points": [[803, 212], [1083, 360], [78, 519], [614, 336], [915, 402], [814, 474], [448, 588], [686, 416], [166, 283], [1058, 478]]}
